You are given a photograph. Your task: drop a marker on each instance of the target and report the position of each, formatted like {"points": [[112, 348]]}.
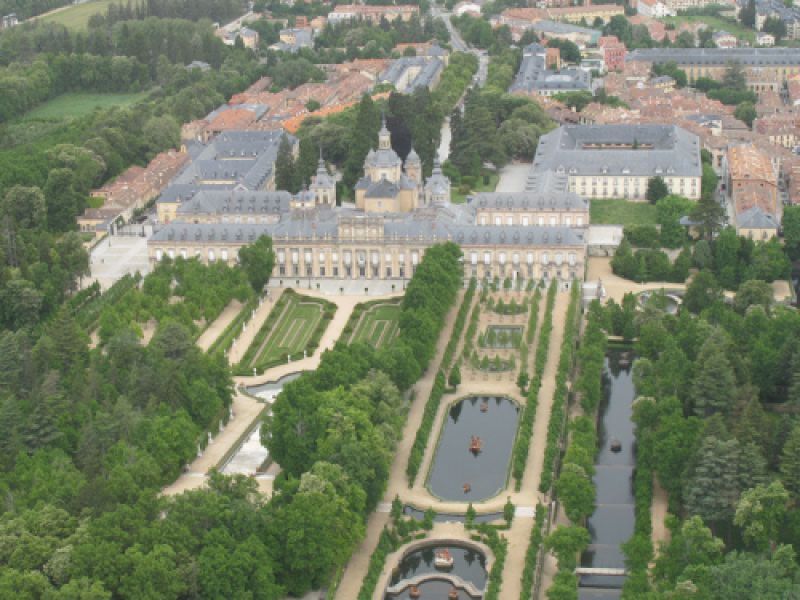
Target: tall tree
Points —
{"points": [[257, 260], [656, 189], [285, 173], [714, 386], [363, 137]]}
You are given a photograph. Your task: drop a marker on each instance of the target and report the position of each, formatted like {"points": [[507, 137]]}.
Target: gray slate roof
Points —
{"points": [[429, 69], [528, 200], [675, 152], [755, 218], [718, 56], [429, 225], [533, 75], [235, 202]]}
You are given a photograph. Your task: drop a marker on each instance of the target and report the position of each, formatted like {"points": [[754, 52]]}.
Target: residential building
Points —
{"points": [[526, 17], [613, 52], [411, 72], [9, 20], [657, 9], [372, 13], [723, 39], [468, 8], [581, 36], [766, 40], [131, 191], [752, 182], [534, 78], [618, 161], [293, 39], [756, 224], [765, 68]]}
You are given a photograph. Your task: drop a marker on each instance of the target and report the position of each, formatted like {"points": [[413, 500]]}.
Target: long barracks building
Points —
{"points": [[765, 68]]}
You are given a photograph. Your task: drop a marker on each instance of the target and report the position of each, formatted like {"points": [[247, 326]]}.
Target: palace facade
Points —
{"points": [[532, 235]]}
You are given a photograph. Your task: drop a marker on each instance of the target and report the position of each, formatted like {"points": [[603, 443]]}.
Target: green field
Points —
{"points": [[76, 16], [378, 325], [78, 105], [295, 324], [717, 24], [621, 212]]}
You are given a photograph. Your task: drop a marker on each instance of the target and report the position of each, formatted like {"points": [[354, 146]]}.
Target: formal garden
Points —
{"points": [[292, 331], [375, 323]]}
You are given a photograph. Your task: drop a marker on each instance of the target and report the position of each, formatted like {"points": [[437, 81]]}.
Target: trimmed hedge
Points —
{"points": [[523, 441], [556, 425], [87, 311], [234, 328], [387, 543], [499, 546], [439, 386], [360, 309], [532, 554]]}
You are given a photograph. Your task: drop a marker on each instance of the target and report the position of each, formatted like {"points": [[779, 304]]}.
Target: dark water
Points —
{"points": [[417, 514], [454, 464], [613, 520], [273, 386], [469, 564], [431, 590]]}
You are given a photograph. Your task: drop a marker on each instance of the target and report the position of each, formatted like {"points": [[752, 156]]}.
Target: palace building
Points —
{"points": [[397, 215]]}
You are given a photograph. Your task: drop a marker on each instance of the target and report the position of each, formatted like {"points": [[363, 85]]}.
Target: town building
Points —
{"points": [[618, 161], [467, 8], [765, 68], [751, 181], [723, 39], [132, 190], [581, 36], [9, 20], [373, 13], [657, 9], [766, 40], [613, 52], [525, 17], [412, 72], [536, 78], [293, 39]]}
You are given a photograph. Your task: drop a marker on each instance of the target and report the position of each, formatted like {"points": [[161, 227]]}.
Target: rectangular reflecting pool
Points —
{"points": [[460, 474]]}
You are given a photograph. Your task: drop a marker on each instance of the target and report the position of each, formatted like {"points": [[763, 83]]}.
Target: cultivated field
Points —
{"points": [[377, 325]]}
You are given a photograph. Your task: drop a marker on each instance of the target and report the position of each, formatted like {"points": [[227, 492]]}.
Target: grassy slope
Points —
{"points": [[717, 24], [622, 212], [78, 105], [76, 16]]}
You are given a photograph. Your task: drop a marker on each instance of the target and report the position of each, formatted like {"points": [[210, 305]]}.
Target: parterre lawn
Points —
{"points": [[378, 325], [621, 212]]}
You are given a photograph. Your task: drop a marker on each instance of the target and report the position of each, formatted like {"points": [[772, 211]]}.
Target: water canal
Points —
{"points": [[612, 523], [460, 474]]}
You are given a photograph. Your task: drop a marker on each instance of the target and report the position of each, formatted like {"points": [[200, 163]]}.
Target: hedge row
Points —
{"points": [[532, 554], [439, 386], [458, 327], [225, 340], [88, 314], [591, 358], [499, 546], [472, 330], [387, 543], [523, 441], [555, 426]]}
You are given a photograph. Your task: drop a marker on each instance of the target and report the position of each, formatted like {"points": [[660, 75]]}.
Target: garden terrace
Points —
{"points": [[374, 323], [293, 329]]}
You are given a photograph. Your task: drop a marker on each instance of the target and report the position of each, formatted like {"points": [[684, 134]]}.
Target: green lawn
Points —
{"points": [[717, 24], [76, 16], [78, 105], [378, 325], [621, 212], [289, 329], [459, 198]]}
